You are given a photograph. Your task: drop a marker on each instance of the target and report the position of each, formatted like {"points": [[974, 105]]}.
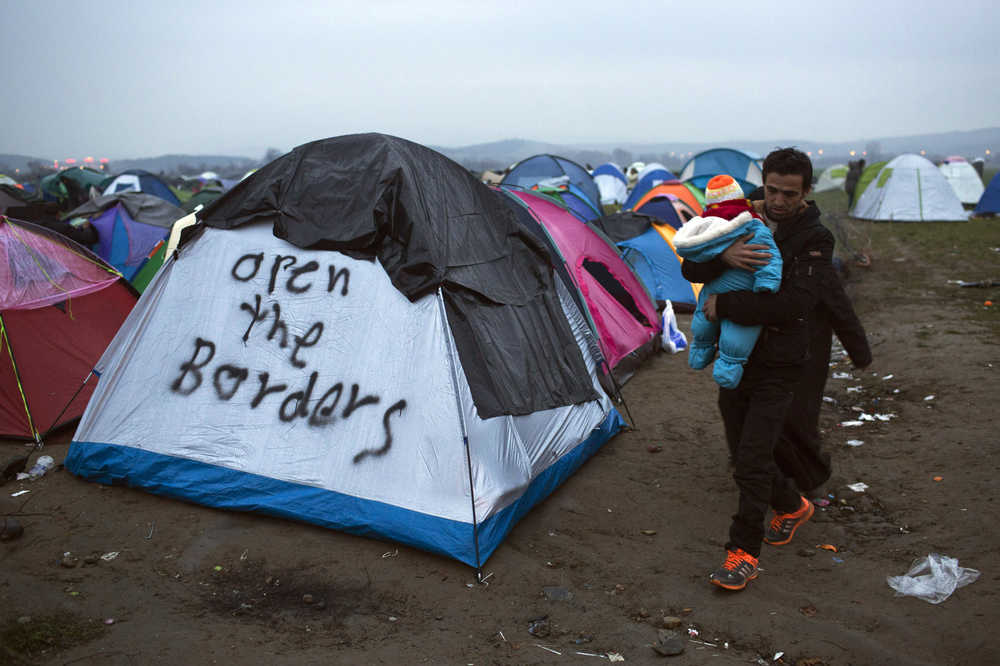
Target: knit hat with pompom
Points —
{"points": [[722, 188]]}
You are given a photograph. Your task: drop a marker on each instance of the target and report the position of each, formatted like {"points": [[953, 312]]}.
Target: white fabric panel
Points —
{"points": [[127, 182], [372, 338], [612, 189], [964, 180]]}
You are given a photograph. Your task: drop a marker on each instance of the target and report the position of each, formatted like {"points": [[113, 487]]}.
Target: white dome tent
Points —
{"points": [[910, 189]]}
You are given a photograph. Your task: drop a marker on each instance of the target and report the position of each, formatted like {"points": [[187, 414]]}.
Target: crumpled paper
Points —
{"points": [[932, 578]]}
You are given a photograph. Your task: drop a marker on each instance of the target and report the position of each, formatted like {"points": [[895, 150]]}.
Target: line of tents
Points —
{"points": [[910, 188]]}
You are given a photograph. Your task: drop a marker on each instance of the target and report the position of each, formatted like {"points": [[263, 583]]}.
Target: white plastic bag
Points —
{"points": [[940, 577], [672, 340]]}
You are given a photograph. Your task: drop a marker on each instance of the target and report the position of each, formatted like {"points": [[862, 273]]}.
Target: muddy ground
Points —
{"points": [[593, 570]]}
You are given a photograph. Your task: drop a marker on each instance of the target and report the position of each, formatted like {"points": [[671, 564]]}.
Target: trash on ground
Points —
{"points": [[827, 398], [828, 546], [853, 389], [19, 493], [548, 649], [837, 560], [889, 376], [855, 442], [777, 656], [932, 578], [938, 478], [10, 529], [858, 487], [41, 466], [842, 375], [928, 398], [614, 656], [851, 424], [107, 557], [821, 501]]}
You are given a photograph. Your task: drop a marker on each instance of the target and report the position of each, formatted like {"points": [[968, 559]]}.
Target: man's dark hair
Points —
{"points": [[789, 162]]}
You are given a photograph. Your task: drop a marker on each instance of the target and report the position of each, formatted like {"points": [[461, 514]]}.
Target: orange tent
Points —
{"points": [[676, 188]]}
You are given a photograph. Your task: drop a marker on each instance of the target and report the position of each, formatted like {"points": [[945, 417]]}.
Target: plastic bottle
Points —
{"points": [[41, 466]]}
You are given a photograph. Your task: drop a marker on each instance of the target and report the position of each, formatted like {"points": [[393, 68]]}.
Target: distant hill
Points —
{"points": [[501, 154]]}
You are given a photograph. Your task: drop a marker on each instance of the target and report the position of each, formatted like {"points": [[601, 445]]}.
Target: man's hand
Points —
{"points": [[709, 308], [747, 256]]}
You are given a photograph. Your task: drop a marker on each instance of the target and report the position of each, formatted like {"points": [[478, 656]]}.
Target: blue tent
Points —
{"points": [[650, 177], [744, 167], [658, 266], [662, 208], [137, 180], [990, 201], [545, 167]]}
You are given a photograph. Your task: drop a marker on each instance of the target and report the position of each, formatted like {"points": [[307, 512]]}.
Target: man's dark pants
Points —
{"points": [[753, 414]]}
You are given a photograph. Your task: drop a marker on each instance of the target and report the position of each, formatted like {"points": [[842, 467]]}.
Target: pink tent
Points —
{"points": [[626, 318]]}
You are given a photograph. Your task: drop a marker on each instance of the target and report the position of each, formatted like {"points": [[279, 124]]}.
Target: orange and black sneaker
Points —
{"points": [[783, 525], [739, 568]]}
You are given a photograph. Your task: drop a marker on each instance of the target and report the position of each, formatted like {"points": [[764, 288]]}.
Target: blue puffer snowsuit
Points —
{"points": [[702, 239]]}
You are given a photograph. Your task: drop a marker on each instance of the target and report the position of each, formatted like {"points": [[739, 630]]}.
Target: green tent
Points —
{"points": [[72, 186]]}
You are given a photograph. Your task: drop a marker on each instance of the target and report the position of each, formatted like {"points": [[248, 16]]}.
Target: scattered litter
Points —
{"points": [[502, 637], [548, 649], [244, 555], [842, 375], [932, 578], [152, 526], [827, 398], [828, 546], [217, 568], [928, 398], [887, 377], [876, 417], [837, 560], [647, 532], [858, 487], [851, 424], [853, 389], [390, 553], [895, 390], [590, 654], [614, 656], [939, 478], [855, 442], [109, 620], [692, 632], [777, 656], [19, 493], [821, 502], [107, 557], [41, 466]]}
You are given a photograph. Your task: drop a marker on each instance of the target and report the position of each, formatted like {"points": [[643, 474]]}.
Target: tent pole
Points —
{"points": [[20, 387], [56, 420], [465, 436]]}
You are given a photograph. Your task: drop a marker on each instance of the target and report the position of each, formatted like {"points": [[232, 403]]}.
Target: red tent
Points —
{"points": [[60, 306]]}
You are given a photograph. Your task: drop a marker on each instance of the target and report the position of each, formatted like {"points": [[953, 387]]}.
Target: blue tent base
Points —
{"points": [[224, 488]]}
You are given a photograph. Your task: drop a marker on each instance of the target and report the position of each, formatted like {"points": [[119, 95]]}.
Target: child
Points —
{"points": [[728, 216]]}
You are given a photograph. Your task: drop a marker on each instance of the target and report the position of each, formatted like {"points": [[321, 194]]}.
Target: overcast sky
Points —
{"points": [[136, 79]]}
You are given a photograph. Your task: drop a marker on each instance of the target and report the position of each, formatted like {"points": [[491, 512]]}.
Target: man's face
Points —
{"points": [[784, 195]]}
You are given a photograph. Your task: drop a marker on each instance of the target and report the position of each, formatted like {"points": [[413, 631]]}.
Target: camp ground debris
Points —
{"points": [[360, 386]]}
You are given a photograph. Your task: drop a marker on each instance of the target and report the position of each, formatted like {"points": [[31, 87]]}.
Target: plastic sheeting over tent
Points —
{"points": [[832, 178], [534, 170], [742, 166], [137, 180], [651, 175], [60, 306], [363, 337], [989, 203], [625, 318], [909, 189], [611, 183], [964, 179]]}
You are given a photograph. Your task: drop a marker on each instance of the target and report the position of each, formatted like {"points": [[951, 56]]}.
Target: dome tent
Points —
{"points": [[832, 178], [651, 175], [964, 179], [349, 297], [742, 166], [138, 180], [989, 203], [909, 188], [534, 170]]}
